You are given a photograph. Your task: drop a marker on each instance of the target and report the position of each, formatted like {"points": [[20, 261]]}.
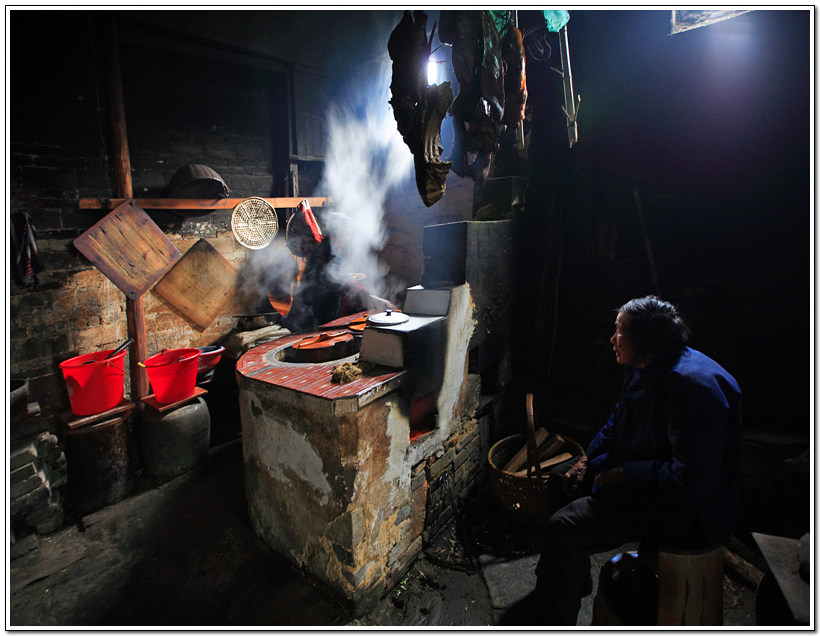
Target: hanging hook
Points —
{"points": [[571, 101]]}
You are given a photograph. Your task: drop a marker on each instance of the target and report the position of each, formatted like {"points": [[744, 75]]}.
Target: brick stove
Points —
{"points": [[343, 478]]}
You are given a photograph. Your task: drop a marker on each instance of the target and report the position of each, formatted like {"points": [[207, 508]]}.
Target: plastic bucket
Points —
{"points": [[172, 374], [96, 386]]}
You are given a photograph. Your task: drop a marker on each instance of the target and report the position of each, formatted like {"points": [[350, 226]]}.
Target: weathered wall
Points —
{"points": [[60, 152], [349, 498], [186, 102]]}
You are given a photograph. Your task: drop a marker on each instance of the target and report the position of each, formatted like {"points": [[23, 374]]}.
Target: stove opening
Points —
{"points": [[423, 412]]}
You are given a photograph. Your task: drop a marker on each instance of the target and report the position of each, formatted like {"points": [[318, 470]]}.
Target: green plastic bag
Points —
{"points": [[503, 21], [556, 19]]}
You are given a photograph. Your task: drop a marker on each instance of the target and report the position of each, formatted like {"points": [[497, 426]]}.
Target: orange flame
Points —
{"points": [[283, 307]]}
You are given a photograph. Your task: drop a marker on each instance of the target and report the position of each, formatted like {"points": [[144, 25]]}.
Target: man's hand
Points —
{"points": [[609, 478], [574, 477]]}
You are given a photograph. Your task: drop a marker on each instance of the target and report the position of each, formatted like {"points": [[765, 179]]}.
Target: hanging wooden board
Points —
{"points": [[129, 248], [200, 284]]}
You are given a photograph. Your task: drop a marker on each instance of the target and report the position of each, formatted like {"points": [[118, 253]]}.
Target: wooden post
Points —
{"points": [[134, 310]]}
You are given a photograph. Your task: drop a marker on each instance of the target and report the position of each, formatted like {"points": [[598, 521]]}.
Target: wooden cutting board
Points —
{"points": [[200, 284], [129, 248]]}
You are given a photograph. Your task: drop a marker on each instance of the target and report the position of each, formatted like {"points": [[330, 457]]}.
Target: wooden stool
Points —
{"points": [[691, 586]]}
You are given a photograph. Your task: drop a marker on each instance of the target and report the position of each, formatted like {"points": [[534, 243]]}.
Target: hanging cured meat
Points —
{"points": [[488, 62], [515, 78], [418, 108]]}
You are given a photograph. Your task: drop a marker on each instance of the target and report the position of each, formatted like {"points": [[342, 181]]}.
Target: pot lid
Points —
{"points": [[389, 317], [326, 339]]}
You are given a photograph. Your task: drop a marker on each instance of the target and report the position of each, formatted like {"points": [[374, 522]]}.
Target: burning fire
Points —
{"points": [[282, 307]]}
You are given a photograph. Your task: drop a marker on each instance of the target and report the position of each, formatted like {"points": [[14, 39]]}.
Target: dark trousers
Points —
{"points": [[583, 527]]}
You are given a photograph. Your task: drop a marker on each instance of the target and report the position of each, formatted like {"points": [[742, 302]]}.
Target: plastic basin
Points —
{"points": [[209, 357]]}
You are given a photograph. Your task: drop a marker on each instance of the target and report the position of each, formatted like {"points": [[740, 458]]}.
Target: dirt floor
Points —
{"points": [[183, 554]]}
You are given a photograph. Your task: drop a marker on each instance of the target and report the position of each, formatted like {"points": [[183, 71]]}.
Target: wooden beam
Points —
{"points": [[197, 204], [134, 310], [116, 106]]}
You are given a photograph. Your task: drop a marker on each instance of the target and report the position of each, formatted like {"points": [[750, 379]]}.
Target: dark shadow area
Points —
{"points": [[196, 561]]}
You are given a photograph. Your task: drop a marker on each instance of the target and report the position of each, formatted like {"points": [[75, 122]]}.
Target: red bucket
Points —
{"points": [[172, 374], [97, 386]]}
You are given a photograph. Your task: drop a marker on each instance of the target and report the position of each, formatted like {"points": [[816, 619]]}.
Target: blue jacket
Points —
{"points": [[676, 432]]}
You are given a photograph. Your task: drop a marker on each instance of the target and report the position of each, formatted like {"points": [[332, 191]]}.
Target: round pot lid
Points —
{"points": [[389, 317]]}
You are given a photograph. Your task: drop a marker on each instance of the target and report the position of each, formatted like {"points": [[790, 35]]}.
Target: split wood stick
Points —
{"points": [[750, 575], [520, 458], [551, 447], [547, 463]]}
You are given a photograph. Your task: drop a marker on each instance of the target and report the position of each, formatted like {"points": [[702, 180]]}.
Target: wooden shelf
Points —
{"points": [[72, 421], [197, 204], [162, 407]]}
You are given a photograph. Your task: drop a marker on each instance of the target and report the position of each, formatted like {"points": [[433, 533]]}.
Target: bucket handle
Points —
{"points": [[115, 367], [179, 359]]}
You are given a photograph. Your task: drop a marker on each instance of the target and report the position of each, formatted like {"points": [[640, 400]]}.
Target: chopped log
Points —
{"points": [[551, 447], [747, 572], [520, 458], [552, 461]]}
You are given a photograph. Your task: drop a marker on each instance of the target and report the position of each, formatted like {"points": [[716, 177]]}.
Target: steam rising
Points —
{"points": [[365, 158]]}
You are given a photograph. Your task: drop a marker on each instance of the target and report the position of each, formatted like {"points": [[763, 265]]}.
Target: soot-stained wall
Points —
{"points": [[199, 87]]}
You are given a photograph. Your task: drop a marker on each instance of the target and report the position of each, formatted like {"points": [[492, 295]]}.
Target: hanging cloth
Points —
{"points": [[24, 248]]}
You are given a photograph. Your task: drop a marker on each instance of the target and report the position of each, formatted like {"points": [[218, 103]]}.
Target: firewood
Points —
{"points": [[552, 461], [520, 458], [750, 575], [551, 447]]}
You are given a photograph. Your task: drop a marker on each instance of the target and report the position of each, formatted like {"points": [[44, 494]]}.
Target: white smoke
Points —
{"points": [[365, 158]]}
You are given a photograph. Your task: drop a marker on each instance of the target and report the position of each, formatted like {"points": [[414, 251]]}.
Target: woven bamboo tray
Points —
{"points": [[525, 499]]}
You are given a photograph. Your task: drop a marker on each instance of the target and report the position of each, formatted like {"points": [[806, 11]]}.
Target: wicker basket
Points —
{"points": [[522, 498]]}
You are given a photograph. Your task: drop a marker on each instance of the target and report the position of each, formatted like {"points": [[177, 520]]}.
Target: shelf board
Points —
{"points": [[197, 204]]}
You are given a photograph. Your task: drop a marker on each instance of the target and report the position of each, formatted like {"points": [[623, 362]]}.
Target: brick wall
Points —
{"points": [[180, 109]]}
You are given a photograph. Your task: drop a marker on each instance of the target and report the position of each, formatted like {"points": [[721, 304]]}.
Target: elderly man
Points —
{"points": [[663, 468]]}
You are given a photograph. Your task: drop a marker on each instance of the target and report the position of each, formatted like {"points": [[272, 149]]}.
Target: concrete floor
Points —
{"points": [[184, 555]]}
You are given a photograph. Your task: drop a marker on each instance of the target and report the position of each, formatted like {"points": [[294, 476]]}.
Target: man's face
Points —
{"points": [[622, 343]]}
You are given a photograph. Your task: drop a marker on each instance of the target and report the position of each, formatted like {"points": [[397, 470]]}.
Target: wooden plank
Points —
{"points": [[198, 204], [520, 458], [200, 284], [72, 421], [129, 248], [781, 554], [151, 400]]}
